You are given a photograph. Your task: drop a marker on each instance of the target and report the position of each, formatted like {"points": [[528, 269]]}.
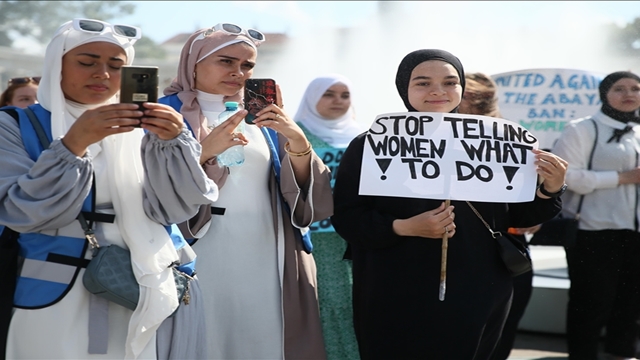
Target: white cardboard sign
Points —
{"points": [[448, 156]]}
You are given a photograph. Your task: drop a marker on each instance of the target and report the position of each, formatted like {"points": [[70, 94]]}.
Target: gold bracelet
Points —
{"points": [[288, 150]]}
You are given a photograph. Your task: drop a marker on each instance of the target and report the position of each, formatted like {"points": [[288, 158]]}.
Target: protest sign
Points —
{"points": [[544, 100], [330, 157], [448, 156]]}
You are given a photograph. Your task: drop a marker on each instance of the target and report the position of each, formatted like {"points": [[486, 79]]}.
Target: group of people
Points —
{"points": [[149, 181]]}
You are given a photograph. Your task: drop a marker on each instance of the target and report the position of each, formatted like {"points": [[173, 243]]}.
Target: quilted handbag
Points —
{"points": [[110, 275]]}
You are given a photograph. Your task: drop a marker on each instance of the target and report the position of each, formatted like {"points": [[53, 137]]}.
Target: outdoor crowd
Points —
{"points": [[78, 165]]}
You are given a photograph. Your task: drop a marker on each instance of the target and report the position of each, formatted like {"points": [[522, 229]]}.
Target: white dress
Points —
{"points": [[36, 326], [238, 264]]}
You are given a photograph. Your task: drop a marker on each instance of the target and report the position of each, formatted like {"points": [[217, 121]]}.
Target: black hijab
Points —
{"points": [[413, 59], [604, 88]]}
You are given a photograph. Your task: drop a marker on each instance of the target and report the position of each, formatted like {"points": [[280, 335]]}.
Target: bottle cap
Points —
{"points": [[231, 104]]}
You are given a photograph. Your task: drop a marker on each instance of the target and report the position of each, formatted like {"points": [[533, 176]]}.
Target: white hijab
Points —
{"points": [[151, 247], [337, 133]]}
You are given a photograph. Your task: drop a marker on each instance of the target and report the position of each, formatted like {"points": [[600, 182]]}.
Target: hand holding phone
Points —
{"points": [[139, 84], [258, 94]]}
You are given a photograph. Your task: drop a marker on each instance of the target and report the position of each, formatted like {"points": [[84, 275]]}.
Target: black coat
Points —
{"points": [[397, 313]]}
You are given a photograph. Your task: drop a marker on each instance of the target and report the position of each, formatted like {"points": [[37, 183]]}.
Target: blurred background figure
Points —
{"points": [[21, 92], [327, 118], [480, 98], [603, 264]]}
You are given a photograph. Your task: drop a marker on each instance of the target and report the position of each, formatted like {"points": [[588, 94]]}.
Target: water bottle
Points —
{"points": [[233, 156]]}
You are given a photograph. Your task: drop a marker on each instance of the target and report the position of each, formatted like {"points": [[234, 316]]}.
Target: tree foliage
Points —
{"points": [[40, 19], [625, 40]]}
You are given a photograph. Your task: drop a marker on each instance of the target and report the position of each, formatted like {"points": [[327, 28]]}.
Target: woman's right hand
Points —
{"points": [[96, 124], [223, 137], [429, 224]]}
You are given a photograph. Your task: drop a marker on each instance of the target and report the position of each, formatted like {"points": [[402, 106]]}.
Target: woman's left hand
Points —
{"points": [[162, 120], [274, 117], [551, 168]]}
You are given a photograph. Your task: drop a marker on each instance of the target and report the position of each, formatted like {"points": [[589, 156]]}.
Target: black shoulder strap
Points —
{"points": [[593, 149], [42, 136]]}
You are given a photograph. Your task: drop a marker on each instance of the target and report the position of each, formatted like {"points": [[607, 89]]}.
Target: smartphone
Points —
{"points": [[258, 94], [139, 84]]}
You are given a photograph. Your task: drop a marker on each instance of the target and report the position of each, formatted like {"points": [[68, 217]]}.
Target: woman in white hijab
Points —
{"points": [[327, 117], [148, 178], [326, 112]]}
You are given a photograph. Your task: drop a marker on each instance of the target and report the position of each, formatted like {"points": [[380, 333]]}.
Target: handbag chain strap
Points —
{"points": [[498, 233], [494, 234]]}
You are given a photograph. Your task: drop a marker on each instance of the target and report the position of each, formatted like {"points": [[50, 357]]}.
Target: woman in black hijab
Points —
{"points": [[603, 264], [395, 244]]}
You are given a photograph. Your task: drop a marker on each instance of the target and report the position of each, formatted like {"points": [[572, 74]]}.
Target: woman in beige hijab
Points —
{"points": [[258, 276]]}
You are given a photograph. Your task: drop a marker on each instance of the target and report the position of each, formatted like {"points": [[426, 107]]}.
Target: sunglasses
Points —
{"points": [[97, 26], [256, 36], [24, 80]]}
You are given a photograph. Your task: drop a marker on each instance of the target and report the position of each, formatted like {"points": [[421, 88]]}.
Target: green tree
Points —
{"points": [[148, 49], [40, 19], [625, 40]]}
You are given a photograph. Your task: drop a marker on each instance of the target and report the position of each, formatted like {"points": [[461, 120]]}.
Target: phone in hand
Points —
{"points": [[258, 94], [139, 84]]}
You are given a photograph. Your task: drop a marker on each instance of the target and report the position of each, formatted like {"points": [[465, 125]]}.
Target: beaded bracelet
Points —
{"points": [[288, 150]]}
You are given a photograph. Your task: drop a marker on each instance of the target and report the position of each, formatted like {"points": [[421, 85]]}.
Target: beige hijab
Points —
{"points": [[195, 49]]}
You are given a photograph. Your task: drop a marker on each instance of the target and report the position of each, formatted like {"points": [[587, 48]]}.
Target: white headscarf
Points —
{"points": [[151, 247], [338, 132]]}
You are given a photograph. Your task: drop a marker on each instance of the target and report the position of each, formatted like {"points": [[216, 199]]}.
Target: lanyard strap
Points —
{"points": [[87, 226]]}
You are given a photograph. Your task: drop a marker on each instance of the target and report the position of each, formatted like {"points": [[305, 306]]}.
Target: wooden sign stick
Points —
{"points": [[443, 261]]}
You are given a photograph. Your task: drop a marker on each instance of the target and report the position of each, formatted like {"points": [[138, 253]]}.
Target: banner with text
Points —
{"points": [[448, 156], [544, 100]]}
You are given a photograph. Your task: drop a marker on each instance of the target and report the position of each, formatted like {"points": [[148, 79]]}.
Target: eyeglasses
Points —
{"points": [[24, 80], [256, 36], [97, 26]]}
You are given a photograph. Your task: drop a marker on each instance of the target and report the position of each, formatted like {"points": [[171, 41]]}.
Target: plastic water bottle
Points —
{"points": [[233, 156]]}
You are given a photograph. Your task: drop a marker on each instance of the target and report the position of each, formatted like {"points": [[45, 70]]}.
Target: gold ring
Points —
{"points": [[278, 116]]}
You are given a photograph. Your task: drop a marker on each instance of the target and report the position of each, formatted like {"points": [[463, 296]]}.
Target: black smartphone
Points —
{"points": [[258, 94], [139, 84]]}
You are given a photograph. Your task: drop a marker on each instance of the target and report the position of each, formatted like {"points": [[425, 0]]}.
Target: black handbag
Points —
{"points": [[514, 253], [563, 231]]}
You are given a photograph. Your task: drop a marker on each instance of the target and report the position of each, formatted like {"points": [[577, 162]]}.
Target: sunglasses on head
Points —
{"points": [[97, 26], [24, 80], [232, 29]]}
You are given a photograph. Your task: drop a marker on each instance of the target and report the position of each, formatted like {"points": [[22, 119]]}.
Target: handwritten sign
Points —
{"points": [[544, 100], [448, 156], [330, 157]]}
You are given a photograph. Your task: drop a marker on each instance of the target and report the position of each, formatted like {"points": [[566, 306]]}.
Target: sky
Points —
{"points": [[365, 40]]}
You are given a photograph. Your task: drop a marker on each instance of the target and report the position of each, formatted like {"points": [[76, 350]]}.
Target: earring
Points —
{"points": [[194, 75]]}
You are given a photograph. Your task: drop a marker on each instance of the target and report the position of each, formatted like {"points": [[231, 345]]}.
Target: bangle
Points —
{"points": [[288, 150]]}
